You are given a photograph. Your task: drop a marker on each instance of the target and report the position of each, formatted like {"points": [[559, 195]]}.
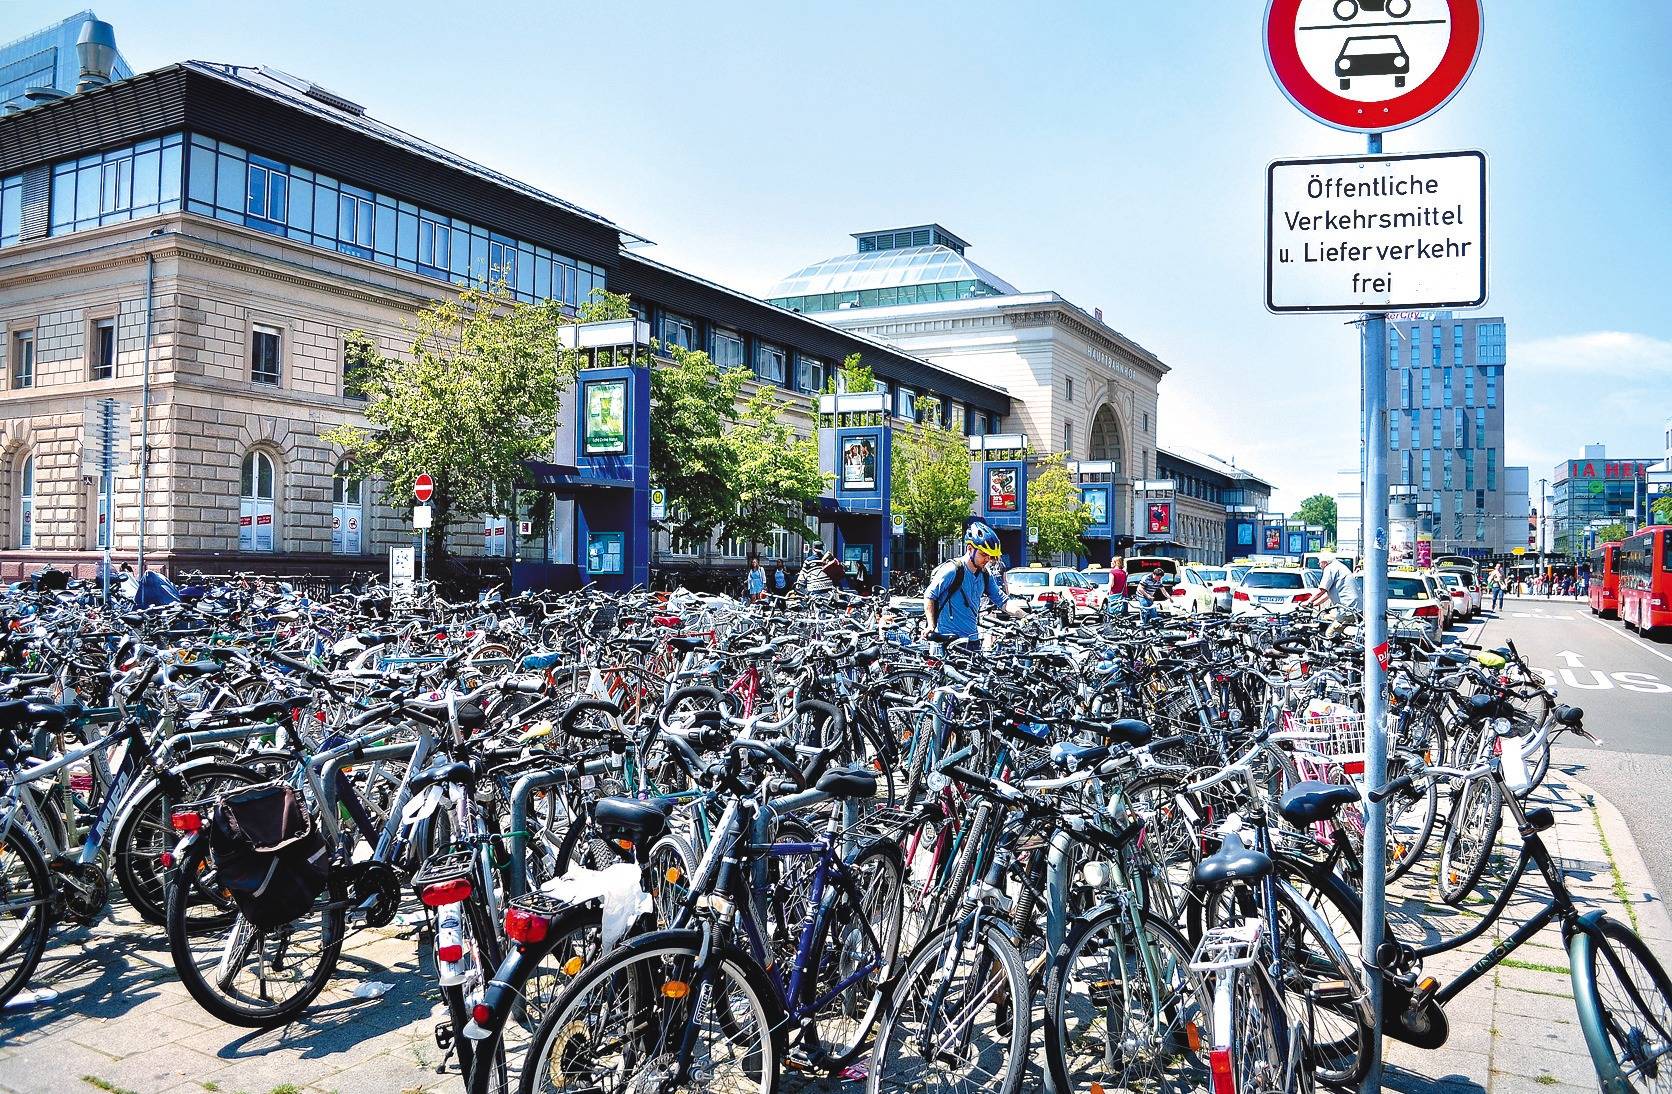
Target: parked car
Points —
{"points": [[1203, 589], [1054, 584], [1465, 601], [1414, 606], [1274, 590]]}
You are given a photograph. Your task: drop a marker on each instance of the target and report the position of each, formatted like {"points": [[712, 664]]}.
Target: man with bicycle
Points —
{"points": [[952, 600]]}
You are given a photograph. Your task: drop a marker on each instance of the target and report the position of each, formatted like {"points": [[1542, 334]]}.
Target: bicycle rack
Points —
{"points": [[521, 792]]}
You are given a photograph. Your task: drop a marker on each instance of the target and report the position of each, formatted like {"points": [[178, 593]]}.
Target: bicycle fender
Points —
{"points": [[1589, 923], [125, 813]]}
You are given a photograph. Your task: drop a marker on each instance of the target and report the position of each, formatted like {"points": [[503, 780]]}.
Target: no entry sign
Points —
{"points": [[423, 487], [1371, 65]]}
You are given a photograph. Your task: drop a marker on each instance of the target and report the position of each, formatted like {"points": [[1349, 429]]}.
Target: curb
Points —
{"points": [[1652, 916]]}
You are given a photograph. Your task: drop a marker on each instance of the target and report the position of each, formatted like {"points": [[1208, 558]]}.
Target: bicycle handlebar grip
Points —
{"points": [[1383, 793], [376, 714], [971, 778]]}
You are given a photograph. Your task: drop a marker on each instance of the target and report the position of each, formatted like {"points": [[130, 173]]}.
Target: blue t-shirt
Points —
{"points": [[960, 613], [757, 582]]}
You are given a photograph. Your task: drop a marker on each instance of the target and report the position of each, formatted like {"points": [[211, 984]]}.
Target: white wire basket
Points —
{"points": [[1340, 731]]}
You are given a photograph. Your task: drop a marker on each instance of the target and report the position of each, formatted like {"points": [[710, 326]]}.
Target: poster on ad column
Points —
{"points": [[859, 463], [606, 418], [1001, 489]]}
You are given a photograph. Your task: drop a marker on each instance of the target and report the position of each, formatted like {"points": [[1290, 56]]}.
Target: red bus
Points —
{"points": [[1605, 581], [1645, 567]]}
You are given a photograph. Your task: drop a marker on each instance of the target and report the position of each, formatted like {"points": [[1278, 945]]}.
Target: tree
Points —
{"points": [[777, 472], [1612, 533], [476, 396], [1661, 510], [931, 479], [1319, 509], [692, 401], [1055, 510]]}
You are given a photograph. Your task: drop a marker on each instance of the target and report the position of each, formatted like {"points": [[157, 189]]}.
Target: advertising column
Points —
{"points": [[1000, 482], [856, 448], [1095, 480]]}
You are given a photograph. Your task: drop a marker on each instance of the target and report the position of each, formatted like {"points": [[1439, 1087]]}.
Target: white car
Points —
{"points": [[1271, 590], [1415, 606], [1465, 602], [1471, 584], [1203, 589], [1051, 584]]}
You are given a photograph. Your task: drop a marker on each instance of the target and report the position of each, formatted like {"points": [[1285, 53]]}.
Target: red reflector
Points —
{"points": [[1221, 588], [449, 953], [188, 821], [480, 1014], [1428, 611], [167, 860], [1178, 592], [443, 893], [1220, 1062], [525, 926]]}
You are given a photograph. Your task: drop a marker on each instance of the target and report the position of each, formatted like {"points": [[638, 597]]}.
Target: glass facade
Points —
{"points": [[138, 180], [882, 298], [1489, 343]]}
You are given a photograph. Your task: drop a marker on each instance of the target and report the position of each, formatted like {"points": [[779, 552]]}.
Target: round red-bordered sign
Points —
{"points": [[1378, 95], [422, 487]]}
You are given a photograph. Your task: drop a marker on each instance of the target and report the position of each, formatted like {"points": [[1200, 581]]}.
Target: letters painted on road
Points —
{"points": [[1583, 679]]}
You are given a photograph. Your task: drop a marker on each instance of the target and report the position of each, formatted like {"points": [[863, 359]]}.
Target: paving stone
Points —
{"points": [[1566, 1064]]}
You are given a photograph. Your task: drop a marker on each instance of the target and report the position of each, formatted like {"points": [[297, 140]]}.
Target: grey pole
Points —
{"points": [[1374, 505], [144, 420]]}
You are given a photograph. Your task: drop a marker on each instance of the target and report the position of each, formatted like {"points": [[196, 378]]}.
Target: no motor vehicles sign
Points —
{"points": [[1371, 233]]}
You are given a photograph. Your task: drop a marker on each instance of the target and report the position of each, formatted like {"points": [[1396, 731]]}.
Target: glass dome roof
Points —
{"points": [[887, 269]]}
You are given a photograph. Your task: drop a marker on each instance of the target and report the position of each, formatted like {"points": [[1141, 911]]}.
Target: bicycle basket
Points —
{"points": [[1345, 743], [267, 854]]}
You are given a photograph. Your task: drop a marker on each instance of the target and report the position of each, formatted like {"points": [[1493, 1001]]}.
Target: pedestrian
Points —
{"points": [[780, 579], [1149, 593], [1336, 584], [1116, 604], [952, 601], [1495, 582], [861, 579], [754, 586], [836, 572], [814, 579]]}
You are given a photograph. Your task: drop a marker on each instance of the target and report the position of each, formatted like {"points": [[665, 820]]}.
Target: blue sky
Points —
{"points": [[1112, 152]]}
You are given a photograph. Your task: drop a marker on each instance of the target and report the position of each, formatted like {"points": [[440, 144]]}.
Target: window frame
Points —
{"points": [[769, 350], [278, 332], [98, 321], [27, 482], [17, 335], [253, 504], [715, 334]]}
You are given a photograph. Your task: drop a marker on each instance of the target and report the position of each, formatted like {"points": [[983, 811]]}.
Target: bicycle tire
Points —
{"points": [[1621, 1049], [839, 945], [1471, 833], [1063, 1076], [143, 833], [183, 885], [994, 979], [23, 873], [1259, 1033], [635, 966]]}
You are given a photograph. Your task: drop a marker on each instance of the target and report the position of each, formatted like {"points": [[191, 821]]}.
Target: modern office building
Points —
{"points": [[47, 65], [204, 238], [1445, 439], [1209, 492], [1594, 490], [1080, 386]]}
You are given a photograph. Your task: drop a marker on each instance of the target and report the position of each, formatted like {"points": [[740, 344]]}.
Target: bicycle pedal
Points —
{"points": [[1332, 991], [444, 1037]]}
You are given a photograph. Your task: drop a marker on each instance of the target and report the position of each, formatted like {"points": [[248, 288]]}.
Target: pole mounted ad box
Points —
{"points": [[1376, 233]]}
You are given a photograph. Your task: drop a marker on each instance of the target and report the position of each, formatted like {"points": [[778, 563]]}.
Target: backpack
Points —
{"points": [[267, 853], [945, 598]]}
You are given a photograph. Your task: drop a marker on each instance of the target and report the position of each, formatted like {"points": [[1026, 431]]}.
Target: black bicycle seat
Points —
{"points": [[1122, 731], [1234, 861], [848, 782], [640, 821], [1310, 802], [686, 643]]}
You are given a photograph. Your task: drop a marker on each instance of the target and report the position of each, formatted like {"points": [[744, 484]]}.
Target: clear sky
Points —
{"points": [[1110, 151]]}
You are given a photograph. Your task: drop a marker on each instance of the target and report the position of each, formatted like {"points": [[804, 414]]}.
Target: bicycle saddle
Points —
{"points": [[1310, 802], [1124, 731], [848, 782], [1234, 861], [686, 643], [639, 821], [538, 662], [191, 668]]}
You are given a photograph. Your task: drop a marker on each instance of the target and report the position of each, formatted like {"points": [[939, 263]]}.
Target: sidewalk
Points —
{"points": [[1516, 1029], [121, 1022]]}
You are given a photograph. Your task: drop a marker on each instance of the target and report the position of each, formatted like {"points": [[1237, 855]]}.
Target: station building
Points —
{"points": [[198, 242]]}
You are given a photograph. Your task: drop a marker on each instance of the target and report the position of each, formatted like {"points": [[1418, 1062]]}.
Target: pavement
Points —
{"points": [[121, 1023]]}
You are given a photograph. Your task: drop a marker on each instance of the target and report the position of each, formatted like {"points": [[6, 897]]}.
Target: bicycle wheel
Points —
{"points": [[620, 1027], [1471, 832], [143, 833], [1322, 992], [959, 1020], [25, 911], [1259, 1034], [1410, 814], [1171, 845], [1625, 1007], [243, 975], [1117, 1019], [851, 938], [668, 869]]}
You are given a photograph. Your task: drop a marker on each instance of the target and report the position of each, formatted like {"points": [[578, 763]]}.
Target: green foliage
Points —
{"points": [[777, 472], [476, 396], [1612, 533], [1319, 509], [1055, 509], [692, 401], [1661, 511], [931, 480]]}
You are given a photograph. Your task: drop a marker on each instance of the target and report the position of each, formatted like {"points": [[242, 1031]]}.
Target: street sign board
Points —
{"points": [[1369, 233], [1370, 66], [423, 487], [422, 517], [401, 572], [658, 503]]}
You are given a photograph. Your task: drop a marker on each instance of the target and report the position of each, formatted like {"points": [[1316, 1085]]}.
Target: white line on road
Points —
{"points": [[1633, 641]]}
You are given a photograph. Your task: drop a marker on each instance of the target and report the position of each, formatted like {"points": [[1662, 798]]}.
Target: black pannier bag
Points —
{"points": [[267, 853]]}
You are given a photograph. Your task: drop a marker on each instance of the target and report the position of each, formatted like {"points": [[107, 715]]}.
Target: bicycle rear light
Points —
{"points": [[442, 893], [188, 821], [525, 927]]}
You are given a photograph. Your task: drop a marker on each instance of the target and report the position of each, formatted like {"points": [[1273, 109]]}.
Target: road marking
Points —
{"points": [[1572, 658], [1621, 634]]}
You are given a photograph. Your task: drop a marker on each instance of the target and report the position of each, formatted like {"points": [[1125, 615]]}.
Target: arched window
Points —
{"points": [[255, 503], [348, 512], [26, 503]]}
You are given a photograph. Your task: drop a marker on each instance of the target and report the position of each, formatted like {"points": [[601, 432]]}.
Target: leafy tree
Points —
{"points": [[1319, 509], [692, 401], [931, 479], [476, 396], [777, 472], [1055, 509], [1661, 511], [1610, 533]]}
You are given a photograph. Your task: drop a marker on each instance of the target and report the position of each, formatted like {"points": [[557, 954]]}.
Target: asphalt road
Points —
{"points": [[1624, 683]]}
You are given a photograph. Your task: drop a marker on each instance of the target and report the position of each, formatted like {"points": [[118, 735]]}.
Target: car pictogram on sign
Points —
{"points": [[1372, 55], [1347, 10]]}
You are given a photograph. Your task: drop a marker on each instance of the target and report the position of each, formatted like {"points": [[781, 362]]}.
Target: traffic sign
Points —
{"points": [[423, 487], [1368, 233], [658, 503], [422, 517], [1518, 550], [1369, 66]]}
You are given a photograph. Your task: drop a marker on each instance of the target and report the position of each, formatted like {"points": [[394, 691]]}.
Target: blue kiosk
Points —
{"points": [[999, 477], [599, 475], [856, 442], [1098, 492]]}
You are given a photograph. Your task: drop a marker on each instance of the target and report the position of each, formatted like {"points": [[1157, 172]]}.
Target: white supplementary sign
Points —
{"points": [[422, 517], [402, 568], [1373, 233]]}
